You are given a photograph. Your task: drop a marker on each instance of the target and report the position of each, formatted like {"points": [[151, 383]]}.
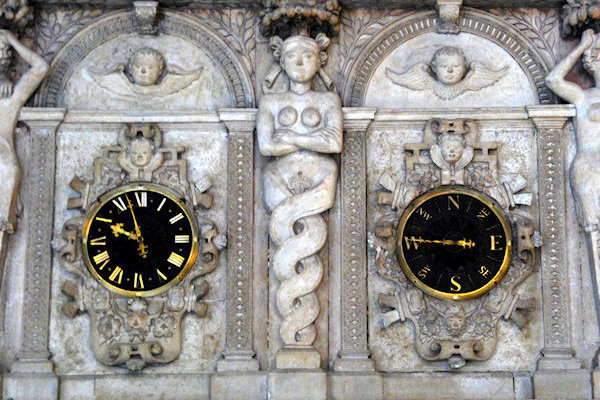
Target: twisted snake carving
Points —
{"points": [[299, 232], [297, 127]]}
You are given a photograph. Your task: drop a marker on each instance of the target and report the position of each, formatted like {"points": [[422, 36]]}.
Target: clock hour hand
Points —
{"points": [[117, 230]]}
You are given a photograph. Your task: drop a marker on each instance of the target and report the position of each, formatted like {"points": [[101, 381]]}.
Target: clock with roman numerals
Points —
{"points": [[454, 243], [140, 239]]}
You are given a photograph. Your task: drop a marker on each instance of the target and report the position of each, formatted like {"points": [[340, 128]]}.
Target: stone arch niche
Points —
{"points": [[205, 73], [483, 38]]}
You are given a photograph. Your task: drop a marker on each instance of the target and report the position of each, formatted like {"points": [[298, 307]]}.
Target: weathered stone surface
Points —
{"points": [[297, 385]]}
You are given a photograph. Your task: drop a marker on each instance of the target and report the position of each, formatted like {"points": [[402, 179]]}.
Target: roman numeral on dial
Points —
{"points": [[120, 204], [176, 259], [117, 275]]}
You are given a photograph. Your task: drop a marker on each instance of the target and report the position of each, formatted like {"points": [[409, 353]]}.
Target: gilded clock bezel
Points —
{"points": [[453, 189], [141, 186]]}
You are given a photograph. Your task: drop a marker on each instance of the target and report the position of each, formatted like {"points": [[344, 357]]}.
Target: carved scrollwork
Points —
{"points": [[138, 331], [451, 153]]}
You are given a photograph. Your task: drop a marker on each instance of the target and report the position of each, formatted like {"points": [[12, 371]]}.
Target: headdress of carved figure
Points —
{"points": [[146, 66], [284, 49]]}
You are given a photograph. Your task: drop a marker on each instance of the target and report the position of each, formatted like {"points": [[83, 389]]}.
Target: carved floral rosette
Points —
{"points": [[131, 330], [455, 331]]}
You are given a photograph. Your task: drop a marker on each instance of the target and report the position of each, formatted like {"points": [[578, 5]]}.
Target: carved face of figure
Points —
{"points": [[591, 57], [146, 66], [449, 65], [5, 56], [140, 152], [452, 147], [300, 59]]}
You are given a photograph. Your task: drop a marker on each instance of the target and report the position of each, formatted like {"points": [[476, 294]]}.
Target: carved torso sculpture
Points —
{"points": [[11, 101], [299, 127], [585, 169]]}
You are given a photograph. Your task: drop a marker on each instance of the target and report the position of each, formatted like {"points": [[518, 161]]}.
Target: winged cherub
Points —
{"points": [[145, 76], [448, 75]]}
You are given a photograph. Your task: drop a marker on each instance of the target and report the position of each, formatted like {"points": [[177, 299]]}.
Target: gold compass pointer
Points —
{"points": [[117, 230], [464, 243], [137, 228]]}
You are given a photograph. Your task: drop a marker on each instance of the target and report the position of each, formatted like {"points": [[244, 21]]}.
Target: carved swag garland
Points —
{"points": [[451, 153], [137, 331]]}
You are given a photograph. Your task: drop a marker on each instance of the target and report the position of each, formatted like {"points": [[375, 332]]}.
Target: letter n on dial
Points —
{"points": [[454, 243]]}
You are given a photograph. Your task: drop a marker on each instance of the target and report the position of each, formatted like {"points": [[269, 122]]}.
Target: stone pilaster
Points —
{"points": [[354, 354], [239, 354], [559, 372], [32, 374]]}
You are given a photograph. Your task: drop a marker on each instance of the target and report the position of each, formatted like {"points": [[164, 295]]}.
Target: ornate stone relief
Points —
{"points": [[138, 331], [448, 75], [539, 26], [299, 127], [457, 331], [144, 78], [146, 13], [449, 13], [373, 53], [56, 27], [183, 40]]}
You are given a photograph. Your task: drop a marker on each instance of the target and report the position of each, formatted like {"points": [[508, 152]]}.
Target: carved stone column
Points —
{"points": [[354, 353], [559, 372], [32, 375], [239, 353]]}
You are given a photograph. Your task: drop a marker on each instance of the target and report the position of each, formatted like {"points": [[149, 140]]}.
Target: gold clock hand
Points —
{"points": [[137, 228], [464, 243], [118, 229]]}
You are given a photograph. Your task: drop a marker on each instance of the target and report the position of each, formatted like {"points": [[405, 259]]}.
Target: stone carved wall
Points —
{"points": [[507, 51]]}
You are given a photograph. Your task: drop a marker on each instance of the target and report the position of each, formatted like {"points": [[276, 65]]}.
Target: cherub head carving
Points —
{"points": [[449, 65], [448, 75], [146, 66], [140, 157], [301, 57], [140, 151], [452, 146]]}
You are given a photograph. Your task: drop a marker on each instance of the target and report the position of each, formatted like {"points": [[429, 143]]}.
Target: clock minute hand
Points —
{"points": [[137, 228]]}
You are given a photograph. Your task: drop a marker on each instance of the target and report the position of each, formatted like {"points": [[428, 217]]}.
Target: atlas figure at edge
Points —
{"points": [[12, 99]]}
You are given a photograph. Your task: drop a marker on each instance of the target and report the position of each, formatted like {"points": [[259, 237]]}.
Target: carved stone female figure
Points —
{"points": [[11, 101], [299, 127], [585, 169]]}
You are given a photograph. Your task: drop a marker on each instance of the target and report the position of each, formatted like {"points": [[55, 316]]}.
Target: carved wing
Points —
{"points": [[481, 76], [416, 77]]}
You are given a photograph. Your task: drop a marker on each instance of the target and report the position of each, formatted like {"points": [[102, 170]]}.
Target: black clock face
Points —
{"points": [[140, 240], [454, 243]]}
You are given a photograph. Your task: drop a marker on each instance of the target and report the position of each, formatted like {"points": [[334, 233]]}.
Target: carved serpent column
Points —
{"points": [[297, 127]]}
